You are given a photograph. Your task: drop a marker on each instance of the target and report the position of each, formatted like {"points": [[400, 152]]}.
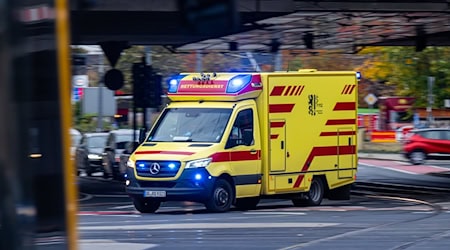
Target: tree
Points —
{"points": [[407, 71]]}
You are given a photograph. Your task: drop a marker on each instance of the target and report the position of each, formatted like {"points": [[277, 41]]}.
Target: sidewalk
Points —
{"points": [[400, 157], [382, 156]]}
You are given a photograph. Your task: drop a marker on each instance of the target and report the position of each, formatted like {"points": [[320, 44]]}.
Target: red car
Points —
{"points": [[429, 143]]}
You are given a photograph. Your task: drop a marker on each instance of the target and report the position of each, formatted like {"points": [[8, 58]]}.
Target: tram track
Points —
{"points": [[373, 190], [392, 192]]}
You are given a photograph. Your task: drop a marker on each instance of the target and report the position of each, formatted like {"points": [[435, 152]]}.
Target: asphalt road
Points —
{"points": [[108, 220]]}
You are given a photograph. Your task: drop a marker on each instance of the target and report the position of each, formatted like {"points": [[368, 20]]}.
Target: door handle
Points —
{"points": [[253, 151], [282, 144]]}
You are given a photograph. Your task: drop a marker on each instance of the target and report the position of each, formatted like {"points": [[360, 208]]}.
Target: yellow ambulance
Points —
{"points": [[230, 139]]}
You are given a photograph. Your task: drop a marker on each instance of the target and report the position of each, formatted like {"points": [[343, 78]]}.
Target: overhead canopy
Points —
{"points": [[264, 25], [348, 31]]}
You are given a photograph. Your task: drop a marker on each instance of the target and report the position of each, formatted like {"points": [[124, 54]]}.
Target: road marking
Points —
{"points": [[208, 226], [112, 245], [94, 213], [123, 207], [274, 213], [87, 197]]}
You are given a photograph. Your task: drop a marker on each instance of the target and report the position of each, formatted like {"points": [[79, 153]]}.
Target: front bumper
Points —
{"points": [[186, 188]]}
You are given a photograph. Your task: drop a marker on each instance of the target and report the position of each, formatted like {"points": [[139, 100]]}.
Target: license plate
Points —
{"points": [[154, 193]]}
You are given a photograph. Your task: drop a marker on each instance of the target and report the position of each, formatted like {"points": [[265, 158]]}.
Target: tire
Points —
{"points": [[221, 198], [314, 196], [417, 157], [146, 206], [340, 193], [247, 203]]}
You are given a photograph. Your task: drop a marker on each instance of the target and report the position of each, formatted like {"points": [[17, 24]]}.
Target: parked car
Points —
{"points": [[429, 143], [89, 153], [115, 145]]}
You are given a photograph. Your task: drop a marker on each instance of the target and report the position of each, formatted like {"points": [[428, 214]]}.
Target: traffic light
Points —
{"points": [[146, 86]]}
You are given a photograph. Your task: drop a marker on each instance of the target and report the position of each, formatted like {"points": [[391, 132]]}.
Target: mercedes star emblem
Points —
{"points": [[155, 168]]}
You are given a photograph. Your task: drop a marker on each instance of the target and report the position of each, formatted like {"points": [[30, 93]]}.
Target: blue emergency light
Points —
{"points": [[174, 82], [358, 75], [238, 82]]}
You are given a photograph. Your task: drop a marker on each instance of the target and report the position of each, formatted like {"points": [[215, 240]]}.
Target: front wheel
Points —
{"points": [[222, 197], [417, 157], [146, 206], [314, 196]]}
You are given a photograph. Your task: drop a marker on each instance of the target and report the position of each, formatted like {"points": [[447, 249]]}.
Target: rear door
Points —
{"points": [[277, 145], [345, 158]]}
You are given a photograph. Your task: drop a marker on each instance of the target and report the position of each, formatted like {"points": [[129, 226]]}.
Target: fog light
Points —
{"points": [[127, 182]]}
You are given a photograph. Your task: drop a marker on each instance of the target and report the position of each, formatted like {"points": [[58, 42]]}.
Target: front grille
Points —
{"points": [[157, 169]]}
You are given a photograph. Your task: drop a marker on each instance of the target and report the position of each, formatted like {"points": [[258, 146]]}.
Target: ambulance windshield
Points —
{"points": [[191, 124]]}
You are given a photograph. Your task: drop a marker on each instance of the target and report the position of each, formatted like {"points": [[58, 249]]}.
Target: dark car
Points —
{"points": [[429, 143], [88, 154], [115, 145]]}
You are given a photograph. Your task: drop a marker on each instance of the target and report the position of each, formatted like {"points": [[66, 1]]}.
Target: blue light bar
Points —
{"points": [[174, 82], [358, 75], [238, 82]]}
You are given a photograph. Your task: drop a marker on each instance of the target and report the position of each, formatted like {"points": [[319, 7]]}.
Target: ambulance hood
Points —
{"points": [[178, 151]]}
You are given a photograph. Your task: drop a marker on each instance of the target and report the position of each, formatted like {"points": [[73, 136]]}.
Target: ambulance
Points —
{"points": [[231, 139]]}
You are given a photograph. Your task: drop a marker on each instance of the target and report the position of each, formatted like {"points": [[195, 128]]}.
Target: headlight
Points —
{"points": [[202, 163], [130, 163], [94, 157]]}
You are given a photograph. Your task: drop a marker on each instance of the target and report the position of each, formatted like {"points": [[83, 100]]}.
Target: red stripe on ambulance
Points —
{"points": [[351, 90], [348, 89], [300, 90], [236, 156], [294, 89], [341, 122], [338, 133], [277, 124], [273, 136], [164, 152], [277, 91], [324, 151], [281, 108], [287, 90], [344, 106]]}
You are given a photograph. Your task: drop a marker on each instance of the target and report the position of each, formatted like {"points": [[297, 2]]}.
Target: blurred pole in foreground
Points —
{"points": [[37, 183]]}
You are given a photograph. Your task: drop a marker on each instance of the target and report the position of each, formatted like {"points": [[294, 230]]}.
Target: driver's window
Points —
{"points": [[242, 130]]}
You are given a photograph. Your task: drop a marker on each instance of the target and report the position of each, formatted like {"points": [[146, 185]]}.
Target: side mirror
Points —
{"points": [[142, 134]]}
